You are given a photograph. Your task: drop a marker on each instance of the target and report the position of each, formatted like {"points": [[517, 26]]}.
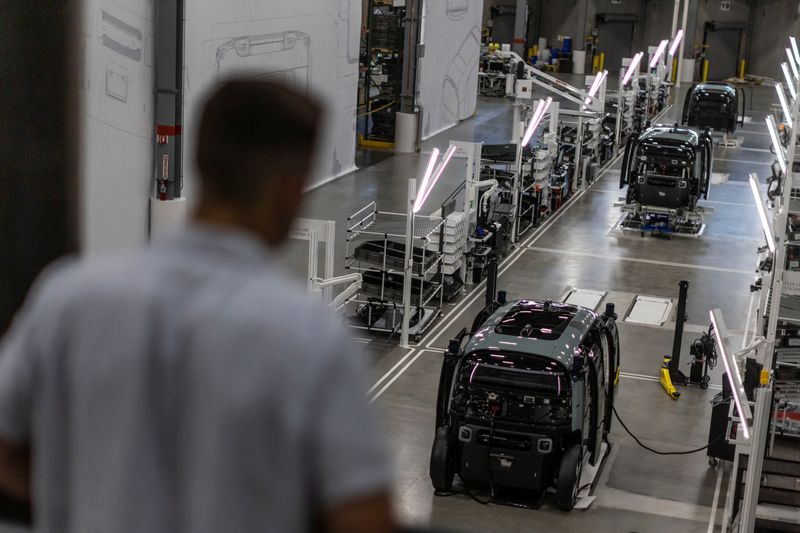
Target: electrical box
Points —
{"points": [[524, 89]]}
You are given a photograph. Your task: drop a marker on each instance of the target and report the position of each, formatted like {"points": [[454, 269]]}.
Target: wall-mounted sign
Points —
{"points": [[616, 1], [725, 6]]}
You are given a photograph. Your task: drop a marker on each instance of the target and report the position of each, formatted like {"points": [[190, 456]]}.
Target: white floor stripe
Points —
{"points": [[400, 373], [741, 161], [719, 202], [387, 374], [713, 519], [639, 260]]}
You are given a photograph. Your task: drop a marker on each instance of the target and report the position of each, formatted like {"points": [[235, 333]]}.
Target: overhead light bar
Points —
{"points": [[541, 109], [426, 178], [732, 371], [789, 80], [423, 194], [598, 80], [659, 52], [792, 64], [795, 50], [762, 212], [675, 42], [776, 143], [633, 66], [784, 104]]}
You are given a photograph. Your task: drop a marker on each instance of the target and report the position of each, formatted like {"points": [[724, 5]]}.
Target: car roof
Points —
{"points": [[559, 345], [672, 134]]}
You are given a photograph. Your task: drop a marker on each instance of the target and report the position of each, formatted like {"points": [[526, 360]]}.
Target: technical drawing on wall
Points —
{"points": [[461, 79], [351, 37], [456, 9], [284, 56], [117, 88]]}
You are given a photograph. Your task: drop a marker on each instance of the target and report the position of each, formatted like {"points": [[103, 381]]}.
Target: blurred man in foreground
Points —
{"points": [[191, 386]]}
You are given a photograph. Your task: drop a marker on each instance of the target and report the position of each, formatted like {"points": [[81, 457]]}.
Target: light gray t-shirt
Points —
{"points": [[188, 387]]}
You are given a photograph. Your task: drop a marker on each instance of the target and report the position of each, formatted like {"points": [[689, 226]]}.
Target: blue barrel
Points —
{"points": [[567, 48]]}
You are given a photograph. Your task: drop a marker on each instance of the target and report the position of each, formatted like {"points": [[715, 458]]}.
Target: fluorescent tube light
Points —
{"points": [[795, 50], [541, 109], [732, 371], [659, 52], [423, 194], [784, 104], [762, 212], [792, 64], [598, 80], [789, 80], [426, 178], [675, 42], [773, 133], [633, 66]]}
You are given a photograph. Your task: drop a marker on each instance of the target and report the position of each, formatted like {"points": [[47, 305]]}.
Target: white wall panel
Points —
{"points": [[312, 44], [117, 99], [448, 73]]}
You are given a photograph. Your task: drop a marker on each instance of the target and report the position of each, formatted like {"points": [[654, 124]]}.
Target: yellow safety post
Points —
{"points": [[741, 68], [602, 61], [595, 64], [705, 69], [666, 379], [675, 69]]}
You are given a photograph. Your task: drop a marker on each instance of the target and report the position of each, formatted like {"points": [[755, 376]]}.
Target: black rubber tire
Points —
{"points": [[569, 474], [442, 467]]}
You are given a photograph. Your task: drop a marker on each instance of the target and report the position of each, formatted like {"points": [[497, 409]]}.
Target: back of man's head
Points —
{"points": [[251, 132]]}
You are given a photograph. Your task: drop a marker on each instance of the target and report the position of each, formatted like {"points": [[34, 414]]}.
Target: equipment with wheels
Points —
{"points": [[667, 170], [525, 399]]}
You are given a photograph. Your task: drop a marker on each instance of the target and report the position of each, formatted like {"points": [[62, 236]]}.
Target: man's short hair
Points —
{"points": [[252, 131]]}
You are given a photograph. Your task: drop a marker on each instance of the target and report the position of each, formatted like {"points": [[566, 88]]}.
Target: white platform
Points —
{"points": [[649, 311]]}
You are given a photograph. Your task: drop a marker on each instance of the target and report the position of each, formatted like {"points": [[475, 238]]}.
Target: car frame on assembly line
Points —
{"points": [[527, 401]]}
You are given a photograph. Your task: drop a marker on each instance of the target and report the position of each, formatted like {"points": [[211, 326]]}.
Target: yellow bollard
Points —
{"points": [[602, 61], [675, 69], [705, 69], [741, 68]]}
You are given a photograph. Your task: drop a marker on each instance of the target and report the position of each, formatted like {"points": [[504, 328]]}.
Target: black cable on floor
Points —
{"points": [[658, 452]]}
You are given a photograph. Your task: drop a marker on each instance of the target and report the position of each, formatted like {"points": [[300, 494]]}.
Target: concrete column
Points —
{"points": [[675, 12], [683, 41], [520, 27]]}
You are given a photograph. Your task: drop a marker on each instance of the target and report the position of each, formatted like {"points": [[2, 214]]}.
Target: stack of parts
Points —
{"points": [[455, 242]]}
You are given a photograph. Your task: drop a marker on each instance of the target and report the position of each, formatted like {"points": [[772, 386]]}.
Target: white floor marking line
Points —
{"points": [[387, 374], [506, 264], [712, 521], [400, 373], [741, 161], [639, 260], [719, 202], [724, 148]]}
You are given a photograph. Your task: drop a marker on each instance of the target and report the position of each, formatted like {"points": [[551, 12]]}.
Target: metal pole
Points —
{"points": [[491, 282], [683, 41], [675, 10], [680, 319], [620, 111], [520, 27], [410, 56], [755, 459], [408, 271]]}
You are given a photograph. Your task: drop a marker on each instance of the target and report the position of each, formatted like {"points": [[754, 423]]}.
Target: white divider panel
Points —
{"points": [[585, 298]]}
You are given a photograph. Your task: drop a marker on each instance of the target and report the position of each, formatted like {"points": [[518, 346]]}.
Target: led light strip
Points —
{"points": [[784, 104], [425, 192], [634, 64], [675, 43], [598, 80], [789, 80], [762, 212], [776, 143], [541, 109], [659, 52], [792, 64], [732, 371]]}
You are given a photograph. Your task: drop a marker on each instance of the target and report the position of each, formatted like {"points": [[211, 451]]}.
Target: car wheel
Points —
{"points": [[442, 467], [569, 475]]}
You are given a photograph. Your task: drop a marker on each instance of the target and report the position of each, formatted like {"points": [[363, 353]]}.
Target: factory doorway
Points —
{"points": [[615, 38], [722, 48]]}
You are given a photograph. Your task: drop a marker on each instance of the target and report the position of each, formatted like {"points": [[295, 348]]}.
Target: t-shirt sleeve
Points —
{"points": [[18, 355], [348, 451]]}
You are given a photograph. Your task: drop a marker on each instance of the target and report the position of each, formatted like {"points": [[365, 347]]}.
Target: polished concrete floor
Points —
{"points": [[578, 247]]}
